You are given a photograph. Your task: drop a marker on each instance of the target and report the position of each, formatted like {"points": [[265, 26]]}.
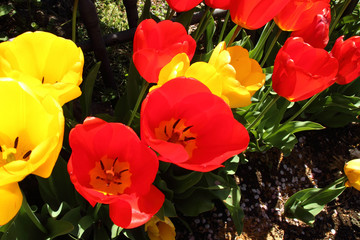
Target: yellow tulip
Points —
{"points": [[352, 171], [10, 202], [229, 74], [31, 134], [47, 63], [158, 229]]}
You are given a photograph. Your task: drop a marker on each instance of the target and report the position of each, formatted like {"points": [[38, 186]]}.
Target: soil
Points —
{"points": [[269, 179]]}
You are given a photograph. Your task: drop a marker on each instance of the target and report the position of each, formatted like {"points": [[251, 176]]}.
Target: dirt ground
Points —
{"points": [[269, 179]]}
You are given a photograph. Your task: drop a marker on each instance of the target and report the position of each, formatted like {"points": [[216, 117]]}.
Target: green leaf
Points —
{"points": [[185, 18], [209, 33], [84, 224], [5, 9], [115, 231], [306, 204], [232, 203], [87, 89], [231, 165], [58, 227], [180, 184]]}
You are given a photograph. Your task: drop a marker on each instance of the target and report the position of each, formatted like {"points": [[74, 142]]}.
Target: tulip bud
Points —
{"points": [[158, 229], [352, 171]]}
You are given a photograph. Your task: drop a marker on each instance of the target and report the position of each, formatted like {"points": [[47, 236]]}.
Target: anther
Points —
{"points": [[16, 142], [115, 161], [42, 80], [187, 128], [165, 132], [102, 165], [27, 154], [176, 123], [0, 149], [188, 138]]}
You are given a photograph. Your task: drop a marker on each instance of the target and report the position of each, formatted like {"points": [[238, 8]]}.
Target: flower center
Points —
{"points": [[9, 154], [175, 131], [110, 176]]}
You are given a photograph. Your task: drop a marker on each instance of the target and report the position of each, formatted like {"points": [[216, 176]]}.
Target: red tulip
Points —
{"points": [[183, 5], [189, 126], [298, 14], [301, 71], [222, 4], [317, 33], [348, 54], [253, 14], [110, 165], [155, 44]]}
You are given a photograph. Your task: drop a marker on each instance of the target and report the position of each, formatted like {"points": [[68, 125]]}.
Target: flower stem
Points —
{"points": [[200, 29], [271, 47], [273, 101], [141, 95], [96, 210], [262, 99], [76, 3], [170, 14], [236, 32], [342, 10], [303, 108], [224, 27], [260, 44], [27, 209]]}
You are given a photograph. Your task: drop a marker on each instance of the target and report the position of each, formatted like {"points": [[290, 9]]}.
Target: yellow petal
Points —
{"points": [[216, 52], [39, 127], [40, 57], [352, 171], [10, 202], [206, 74]]}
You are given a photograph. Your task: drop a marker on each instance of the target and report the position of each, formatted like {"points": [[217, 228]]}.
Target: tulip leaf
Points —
{"points": [[185, 18], [87, 89], [232, 203], [180, 184], [231, 165], [115, 231], [306, 204], [58, 227], [84, 223], [5, 9], [198, 202], [209, 33]]}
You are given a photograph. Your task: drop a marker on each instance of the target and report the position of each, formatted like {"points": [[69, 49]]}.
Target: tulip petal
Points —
{"points": [[10, 202]]}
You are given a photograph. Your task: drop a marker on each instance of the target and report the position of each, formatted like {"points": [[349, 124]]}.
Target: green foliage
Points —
{"points": [[306, 204]]}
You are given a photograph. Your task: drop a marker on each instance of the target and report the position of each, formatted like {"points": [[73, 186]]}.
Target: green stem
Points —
{"points": [[224, 27], [260, 44], [76, 3], [303, 108], [96, 210], [273, 101], [262, 99], [271, 47], [27, 209], [200, 27], [236, 32], [342, 10], [141, 95], [170, 15]]}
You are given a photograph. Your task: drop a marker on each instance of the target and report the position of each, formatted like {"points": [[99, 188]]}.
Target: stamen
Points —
{"points": [[176, 123], [165, 132], [114, 162], [16, 142], [42, 81], [187, 128], [123, 171], [188, 139], [27, 154], [0, 149], [118, 183], [102, 165]]}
